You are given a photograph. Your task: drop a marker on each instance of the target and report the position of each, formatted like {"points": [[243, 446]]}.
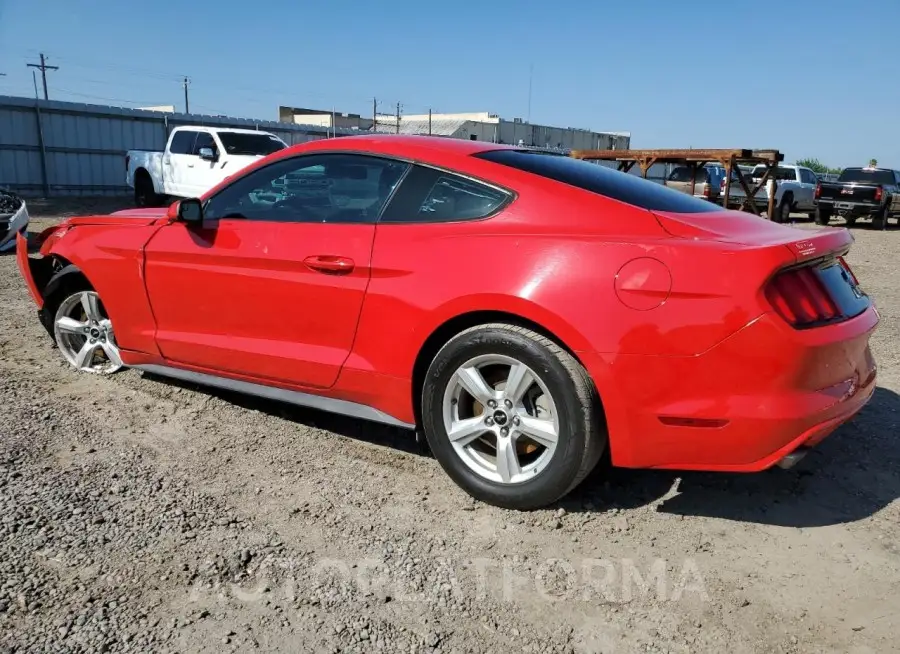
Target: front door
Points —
{"points": [[271, 286], [178, 163]]}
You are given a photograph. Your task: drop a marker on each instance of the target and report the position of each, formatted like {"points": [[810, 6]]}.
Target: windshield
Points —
{"points": [[250, 144], [867, 176]]}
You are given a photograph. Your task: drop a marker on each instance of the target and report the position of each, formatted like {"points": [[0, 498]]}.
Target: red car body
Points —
{"points": [[682, 320]]}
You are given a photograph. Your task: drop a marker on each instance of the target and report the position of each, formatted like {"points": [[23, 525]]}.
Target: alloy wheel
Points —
{"points": [[84, 334], [501, 419]]}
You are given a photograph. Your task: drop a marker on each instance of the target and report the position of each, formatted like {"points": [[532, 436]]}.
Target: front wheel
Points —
{"points": [[511, 417], [84, 334]]}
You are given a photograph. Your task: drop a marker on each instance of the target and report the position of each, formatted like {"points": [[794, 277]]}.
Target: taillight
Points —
{"points": [[800, 298], [818, 191], [706, 190], [879, 192]]}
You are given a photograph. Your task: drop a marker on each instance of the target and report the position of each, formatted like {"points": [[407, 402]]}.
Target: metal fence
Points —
{"points": [[50, 148]]}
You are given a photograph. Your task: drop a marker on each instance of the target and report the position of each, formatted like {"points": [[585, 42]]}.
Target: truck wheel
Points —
{"points": [[821, 216], [144, 194], [783, 212], [879, 220]]}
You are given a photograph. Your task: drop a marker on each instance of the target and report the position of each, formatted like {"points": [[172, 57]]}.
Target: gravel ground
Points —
{"points": [[137, 514]]}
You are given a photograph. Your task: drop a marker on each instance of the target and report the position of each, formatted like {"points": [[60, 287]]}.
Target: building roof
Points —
{"points": [[439, 126]]}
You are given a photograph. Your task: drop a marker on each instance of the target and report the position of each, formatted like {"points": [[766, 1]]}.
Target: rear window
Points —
{"points": [[595, 178], [683, 174], [867, 176], [781, 175]]}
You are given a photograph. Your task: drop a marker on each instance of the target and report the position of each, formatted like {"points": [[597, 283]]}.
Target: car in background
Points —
{"points": [[13, 219], [708, 180], [527, 311], [795, 192], [195, 159], [860, 193]]}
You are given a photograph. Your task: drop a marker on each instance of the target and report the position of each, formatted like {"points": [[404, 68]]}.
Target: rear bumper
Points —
{"points": [[743, 405], [849, 208]]}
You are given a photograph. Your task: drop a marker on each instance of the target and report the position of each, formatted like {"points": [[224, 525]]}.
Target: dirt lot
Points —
{"points": [[138, 514]]}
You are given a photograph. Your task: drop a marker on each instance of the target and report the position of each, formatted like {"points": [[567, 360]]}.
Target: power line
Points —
{"points": [[43, 68]]}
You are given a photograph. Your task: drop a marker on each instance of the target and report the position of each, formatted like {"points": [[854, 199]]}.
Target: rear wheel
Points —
{"points": [[783, 212], [144, 193], [821, 216], [879, 220], [511, 417]]}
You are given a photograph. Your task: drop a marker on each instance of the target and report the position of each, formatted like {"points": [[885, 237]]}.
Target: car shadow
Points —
{"points": [[403, 440], [848, 477]]}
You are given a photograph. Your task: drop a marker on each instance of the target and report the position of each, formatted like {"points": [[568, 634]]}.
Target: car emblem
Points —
{"points": [[846, 191]]}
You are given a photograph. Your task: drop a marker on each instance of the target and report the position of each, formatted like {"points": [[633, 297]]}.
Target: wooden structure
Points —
{"points": [[696, 159]]}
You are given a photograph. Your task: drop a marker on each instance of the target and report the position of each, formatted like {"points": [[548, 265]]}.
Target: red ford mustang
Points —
{"points": [[526, 310]]}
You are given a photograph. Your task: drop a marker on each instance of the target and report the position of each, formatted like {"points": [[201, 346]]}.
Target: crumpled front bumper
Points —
{"points": [[13, 219]]}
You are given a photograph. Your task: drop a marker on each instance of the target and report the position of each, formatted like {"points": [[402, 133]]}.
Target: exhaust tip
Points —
{"points": [[792, 459]]}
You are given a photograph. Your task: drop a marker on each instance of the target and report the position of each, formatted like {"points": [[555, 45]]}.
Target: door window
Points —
{"points": [[204, 140], [323, 188], [183, 142], [807, 176]]}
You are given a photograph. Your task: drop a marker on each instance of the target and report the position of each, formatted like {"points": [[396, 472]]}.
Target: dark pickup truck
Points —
{"points": [[860, 193]]}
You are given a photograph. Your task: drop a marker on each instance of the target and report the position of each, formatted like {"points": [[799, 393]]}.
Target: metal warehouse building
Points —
{"points": [[477, 126]]}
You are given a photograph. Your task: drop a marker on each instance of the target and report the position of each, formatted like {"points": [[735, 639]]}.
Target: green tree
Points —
{"points": [[873, 163], [818, 167]]}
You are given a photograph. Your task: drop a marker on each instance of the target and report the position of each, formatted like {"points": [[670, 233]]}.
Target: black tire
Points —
{"points": [[582, 432], [879, 220], [144, 193], [783, 212], [821, 216]]}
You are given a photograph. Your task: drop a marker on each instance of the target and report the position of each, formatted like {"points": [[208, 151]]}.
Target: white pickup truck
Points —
{"points": [[196, 158], [796, 191]]}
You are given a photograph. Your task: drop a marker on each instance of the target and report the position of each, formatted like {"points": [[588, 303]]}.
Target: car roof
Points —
{"points": [[400, 145], [213, 128]]}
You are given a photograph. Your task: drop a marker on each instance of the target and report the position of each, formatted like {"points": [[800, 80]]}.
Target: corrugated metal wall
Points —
{"points": [[67, 148]]}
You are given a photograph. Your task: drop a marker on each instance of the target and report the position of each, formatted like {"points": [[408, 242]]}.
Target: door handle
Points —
{"points": [[330, 265]]}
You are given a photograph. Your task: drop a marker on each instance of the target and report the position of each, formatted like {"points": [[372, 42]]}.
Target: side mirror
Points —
{"points": [[208, 154], [188, 211]]}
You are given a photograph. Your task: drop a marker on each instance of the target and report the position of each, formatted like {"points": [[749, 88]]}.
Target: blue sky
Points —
{"points": [[674, 74]]}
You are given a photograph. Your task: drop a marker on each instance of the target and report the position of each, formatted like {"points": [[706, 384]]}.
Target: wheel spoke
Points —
{"points": [[507, 459], [470, 378], [91, 307], [112, 353], [85, 356], [520, 380], [71, 325], [541, 431], [465, 431]]}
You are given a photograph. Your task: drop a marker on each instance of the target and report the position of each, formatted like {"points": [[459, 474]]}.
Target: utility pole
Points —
{"points": [[429, 121], [34, 79], [374, 114], [187, 106], [44, 68], [398, 117]]}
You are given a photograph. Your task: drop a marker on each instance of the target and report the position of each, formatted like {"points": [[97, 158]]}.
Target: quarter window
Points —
{"points": [[322, 188], [428, 195]]}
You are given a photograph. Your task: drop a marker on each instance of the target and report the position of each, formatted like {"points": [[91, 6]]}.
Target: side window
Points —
{"points": [[321, 188], [428, 195], [204, 140], [183, 142]]}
